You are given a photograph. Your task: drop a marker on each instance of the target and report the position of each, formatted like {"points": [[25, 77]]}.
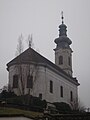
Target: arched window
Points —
{"points": [[71, 96], [51, 86], [69, 61], [29, 81], [60, 60], [15, 81], [61, 91], [40, 96]]}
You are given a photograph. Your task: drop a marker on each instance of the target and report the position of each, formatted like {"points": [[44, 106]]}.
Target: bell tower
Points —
{"points": [[63, 52]]}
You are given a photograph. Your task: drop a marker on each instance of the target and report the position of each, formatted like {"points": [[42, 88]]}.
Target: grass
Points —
{"points": [[17, 112]]}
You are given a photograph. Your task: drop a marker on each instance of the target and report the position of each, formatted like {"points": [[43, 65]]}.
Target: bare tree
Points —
{"points": [[31, 69], [30, 41], [81, 107], [19, 50], [20, 45], [77, 105]]}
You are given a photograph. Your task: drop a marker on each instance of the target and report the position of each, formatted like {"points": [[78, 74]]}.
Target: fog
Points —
{"points": [[41, 18]]}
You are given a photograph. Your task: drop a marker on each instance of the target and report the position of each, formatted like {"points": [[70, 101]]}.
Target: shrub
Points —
{"points": [[62, 107], [5, 94], [26, 102]]}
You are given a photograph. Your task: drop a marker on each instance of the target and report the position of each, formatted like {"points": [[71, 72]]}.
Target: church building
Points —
{"points": [[31, 73]]}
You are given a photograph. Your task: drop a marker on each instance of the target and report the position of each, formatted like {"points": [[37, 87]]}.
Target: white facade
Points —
{"points": [[42, 75]]}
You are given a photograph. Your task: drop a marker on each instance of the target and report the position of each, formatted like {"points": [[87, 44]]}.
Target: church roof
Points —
{"points": [[31, 56]]}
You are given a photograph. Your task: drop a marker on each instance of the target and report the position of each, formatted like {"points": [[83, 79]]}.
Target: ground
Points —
{"points": [[17, 112]]}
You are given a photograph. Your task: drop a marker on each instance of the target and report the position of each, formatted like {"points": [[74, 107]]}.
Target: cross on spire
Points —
{"points": [[62, 17]]}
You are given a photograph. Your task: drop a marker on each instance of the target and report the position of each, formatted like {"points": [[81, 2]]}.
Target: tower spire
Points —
{"points": [[62, 17], [63, 52], [62, 27]]}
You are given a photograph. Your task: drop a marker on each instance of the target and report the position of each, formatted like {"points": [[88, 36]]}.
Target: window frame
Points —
{"points": [[61, 91], [60, 60], [30, 81], [15, 81], [69, 61], [51, 86], [71, 96], [40, 96]]}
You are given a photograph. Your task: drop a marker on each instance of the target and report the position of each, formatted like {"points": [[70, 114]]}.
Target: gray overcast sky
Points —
{"points": [[42, 18]]}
